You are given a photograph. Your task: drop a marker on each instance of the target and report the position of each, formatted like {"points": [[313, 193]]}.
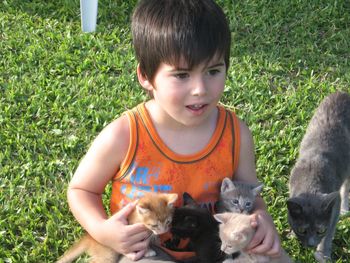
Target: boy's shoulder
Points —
{"points": [[116, 133], [227, 108]]}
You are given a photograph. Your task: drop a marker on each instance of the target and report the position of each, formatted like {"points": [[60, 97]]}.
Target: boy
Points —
{"points": [[180, 140]]}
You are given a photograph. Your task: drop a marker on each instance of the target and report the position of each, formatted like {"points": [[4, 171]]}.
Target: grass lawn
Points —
{"points": [[59, 87]]}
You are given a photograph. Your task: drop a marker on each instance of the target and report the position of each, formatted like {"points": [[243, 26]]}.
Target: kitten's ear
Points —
{"points": [[142, 210], [330, 200], [256, 190], [237, 236], [294, 206], [222, 218], [188, 200], [171, 199], [226, 184]]}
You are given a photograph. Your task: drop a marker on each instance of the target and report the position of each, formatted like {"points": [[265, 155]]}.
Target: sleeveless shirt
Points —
{"points": [[150, 165]]}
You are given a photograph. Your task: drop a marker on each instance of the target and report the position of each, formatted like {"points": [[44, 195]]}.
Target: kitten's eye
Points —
{"points": [[248, 204], [168, 222], [321, 231], [301, 230], [235, 202]]}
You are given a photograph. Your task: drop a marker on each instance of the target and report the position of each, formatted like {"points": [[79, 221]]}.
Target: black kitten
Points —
{"points": [[196, 223]]}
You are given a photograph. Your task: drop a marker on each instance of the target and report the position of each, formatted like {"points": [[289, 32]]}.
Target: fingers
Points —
{"points": [[256, 240], [254, 220], [124, 212], [265, 240], [259, 234], [136, 239], [131, 256], [135, 229], [134, 256], [139, 237], [263, 246], [138, 250], [142, 245], [275, 250]]}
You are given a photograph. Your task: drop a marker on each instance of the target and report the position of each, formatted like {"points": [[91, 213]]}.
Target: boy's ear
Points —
{"points": [[143, 79]]}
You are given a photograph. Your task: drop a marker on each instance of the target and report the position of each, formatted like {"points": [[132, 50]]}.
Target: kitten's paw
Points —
{"points": [[321, 258], [229, 260], [344, 212], [150, 253]]}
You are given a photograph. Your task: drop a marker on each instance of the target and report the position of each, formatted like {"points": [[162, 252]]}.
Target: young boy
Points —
{"points": [[180, 140]]}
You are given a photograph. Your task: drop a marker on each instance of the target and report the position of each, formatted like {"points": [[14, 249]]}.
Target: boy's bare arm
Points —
{"points": [[266, 240], [85, 190], [246, 170], [95, 170]]}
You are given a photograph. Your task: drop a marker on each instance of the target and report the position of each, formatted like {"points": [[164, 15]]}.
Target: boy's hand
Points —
{"points": [[129, 240], [266, 240]]}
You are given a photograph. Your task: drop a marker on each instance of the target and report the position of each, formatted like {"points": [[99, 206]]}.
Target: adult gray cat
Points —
{"points": [[320, 180], [238, 197]]}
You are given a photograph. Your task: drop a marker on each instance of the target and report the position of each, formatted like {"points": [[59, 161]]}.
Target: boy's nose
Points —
{"points": [[198, 87]]}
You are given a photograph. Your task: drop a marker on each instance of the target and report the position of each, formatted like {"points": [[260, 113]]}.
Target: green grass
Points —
{"points": [[59, 87]]}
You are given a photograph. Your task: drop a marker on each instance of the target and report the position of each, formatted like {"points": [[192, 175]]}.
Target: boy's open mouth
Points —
{"points": [[196, 107]]}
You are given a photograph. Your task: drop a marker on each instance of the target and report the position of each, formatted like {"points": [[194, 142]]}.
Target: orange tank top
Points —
{"points": [[151, 166]]}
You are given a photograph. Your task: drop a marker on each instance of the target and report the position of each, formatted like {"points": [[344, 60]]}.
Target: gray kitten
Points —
{"points": [[320, 180], [238, 197]]}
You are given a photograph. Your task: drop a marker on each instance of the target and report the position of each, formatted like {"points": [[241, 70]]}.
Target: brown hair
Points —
{"points": [[168, 30]]}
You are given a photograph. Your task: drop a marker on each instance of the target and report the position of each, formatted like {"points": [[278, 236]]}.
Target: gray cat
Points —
{"points": [[320, 180], [237, 197]]}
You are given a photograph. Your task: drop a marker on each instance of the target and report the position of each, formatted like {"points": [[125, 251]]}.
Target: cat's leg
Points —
{"points": [[102, 254], [324, 249], [321, 258], [344, 195], [161, 257], [150, 253]]}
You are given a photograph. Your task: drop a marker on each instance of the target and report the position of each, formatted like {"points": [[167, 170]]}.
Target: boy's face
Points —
{"points": [[186, 95]]}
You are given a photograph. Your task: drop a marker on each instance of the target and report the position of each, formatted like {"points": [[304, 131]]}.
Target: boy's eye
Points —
{"points": [[181, 75], [213, 72]]}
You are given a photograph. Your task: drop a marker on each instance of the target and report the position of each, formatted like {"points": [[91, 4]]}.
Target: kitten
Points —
{"points": [[155, 211], [236, 232], [238, 197], [320, 180], [196, 223]]}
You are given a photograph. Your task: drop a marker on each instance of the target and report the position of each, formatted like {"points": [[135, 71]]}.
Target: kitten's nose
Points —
{"points": [[311, 242]]}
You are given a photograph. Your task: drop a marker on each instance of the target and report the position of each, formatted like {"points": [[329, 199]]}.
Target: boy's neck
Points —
{"points": [[193, 138]]}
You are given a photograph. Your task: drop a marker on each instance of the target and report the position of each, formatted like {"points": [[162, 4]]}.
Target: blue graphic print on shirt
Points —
{"points": [[140, 177]]}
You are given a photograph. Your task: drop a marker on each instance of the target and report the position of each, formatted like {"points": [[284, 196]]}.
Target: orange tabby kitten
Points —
{"points": [[236, 232], [155, 211]]}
